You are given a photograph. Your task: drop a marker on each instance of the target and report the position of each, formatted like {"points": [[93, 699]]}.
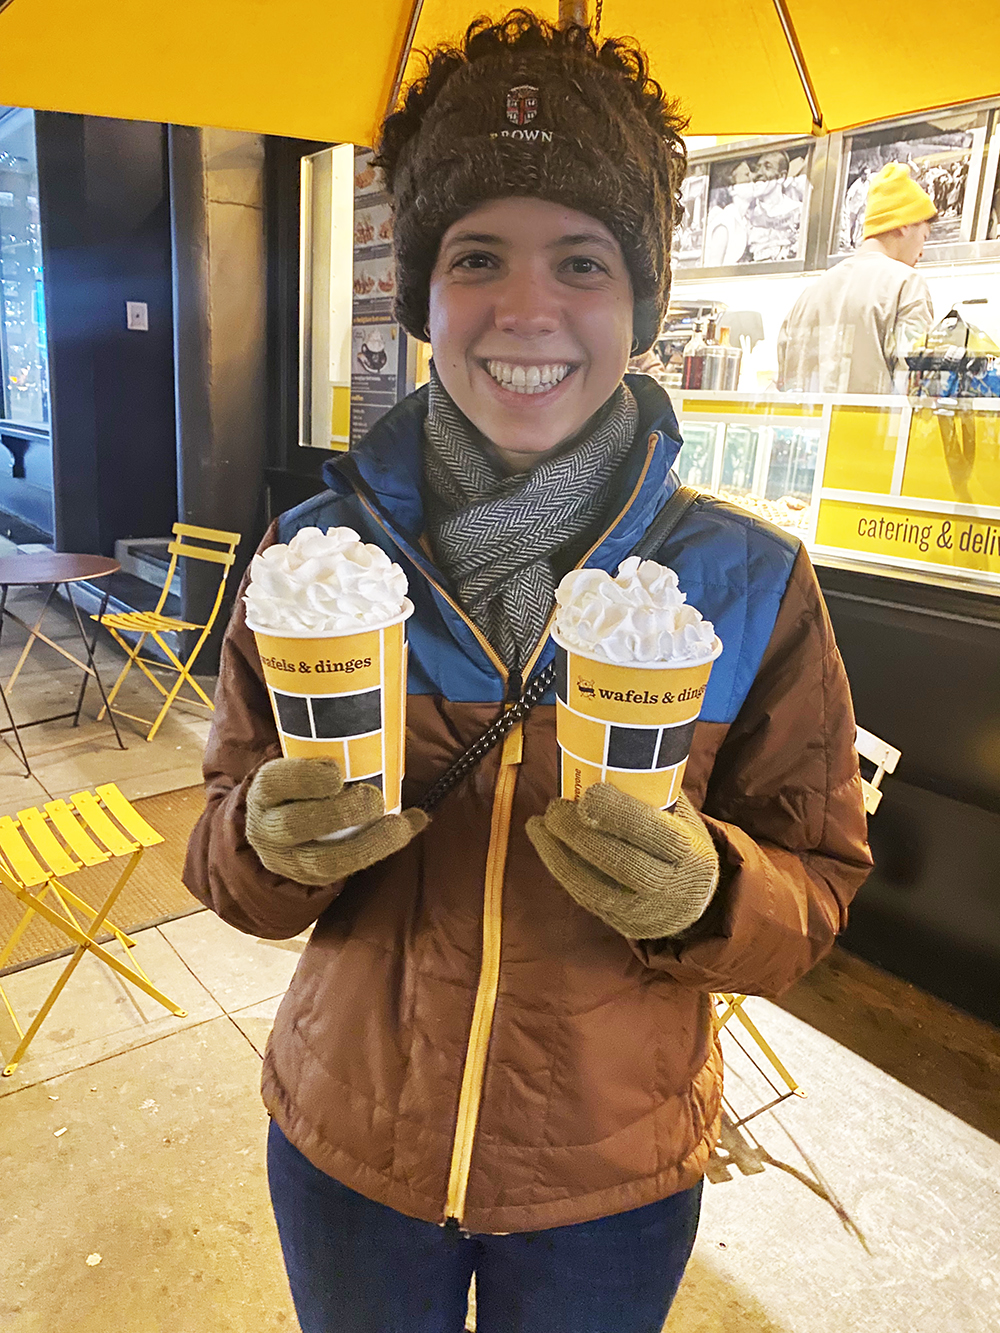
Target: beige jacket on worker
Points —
{"points": [[849, 330]]}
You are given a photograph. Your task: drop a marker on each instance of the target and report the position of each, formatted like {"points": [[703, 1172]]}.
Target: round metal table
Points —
{"points": [[53, 569]]}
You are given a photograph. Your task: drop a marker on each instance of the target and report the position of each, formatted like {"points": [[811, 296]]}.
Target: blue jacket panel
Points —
{"points": [[733, 567]]}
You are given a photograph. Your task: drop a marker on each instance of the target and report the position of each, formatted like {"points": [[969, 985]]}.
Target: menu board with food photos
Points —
{"points": [[378, 343]]}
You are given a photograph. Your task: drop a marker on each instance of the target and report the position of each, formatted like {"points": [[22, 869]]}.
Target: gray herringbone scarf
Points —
{"points": [[494, 534]]}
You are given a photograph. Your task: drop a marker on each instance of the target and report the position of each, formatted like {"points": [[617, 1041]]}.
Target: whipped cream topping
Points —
{"points": [[323, 583], [639, 616]]}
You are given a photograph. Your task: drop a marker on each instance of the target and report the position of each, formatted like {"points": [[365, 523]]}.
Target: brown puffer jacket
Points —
{"points": [[461, 1040]]}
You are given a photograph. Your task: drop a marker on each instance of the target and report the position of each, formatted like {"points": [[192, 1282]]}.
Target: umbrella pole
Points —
{"points": [[404, 55], [795, 48]]}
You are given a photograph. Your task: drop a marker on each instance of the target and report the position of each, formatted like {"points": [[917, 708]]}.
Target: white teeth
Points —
{"points": [[527, 379]]}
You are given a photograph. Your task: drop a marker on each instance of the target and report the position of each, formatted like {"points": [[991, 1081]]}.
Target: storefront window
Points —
{"points": [[356, 361], [876, 445], [23, 359]]}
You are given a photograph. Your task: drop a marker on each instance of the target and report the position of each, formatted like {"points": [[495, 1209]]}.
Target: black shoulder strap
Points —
{"points": [[649, 543], [665, 521]]}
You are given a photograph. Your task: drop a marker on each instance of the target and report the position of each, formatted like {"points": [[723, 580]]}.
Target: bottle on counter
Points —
{"points": [[694, 360]]}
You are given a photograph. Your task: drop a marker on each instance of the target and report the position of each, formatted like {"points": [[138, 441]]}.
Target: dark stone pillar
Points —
{"points": [[220, 290], [106, 238]]}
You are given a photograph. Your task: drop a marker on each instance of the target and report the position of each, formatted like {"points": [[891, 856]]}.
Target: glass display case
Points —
{"points": [[878, 482], [23, 360]]}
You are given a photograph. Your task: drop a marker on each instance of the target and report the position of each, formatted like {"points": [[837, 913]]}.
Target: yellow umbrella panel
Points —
{"points": [[311, 69], [327, 69]]}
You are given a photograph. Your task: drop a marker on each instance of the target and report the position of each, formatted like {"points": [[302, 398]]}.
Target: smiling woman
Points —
{"points": [[497, 1056]]}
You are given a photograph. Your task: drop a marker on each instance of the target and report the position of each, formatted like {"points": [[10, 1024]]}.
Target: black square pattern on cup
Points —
{"points": [[632, 747], [561, 690], [336, 715], [293, 714], [675, 745], [373, 780]]}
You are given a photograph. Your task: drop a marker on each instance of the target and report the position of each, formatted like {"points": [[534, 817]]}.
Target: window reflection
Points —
{"points": [[739, 460], [792, 465], [23, 360]]}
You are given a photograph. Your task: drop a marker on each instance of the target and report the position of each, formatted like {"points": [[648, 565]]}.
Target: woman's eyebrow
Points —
{"points": [[584, 238], [575, 238], [476, 237]]}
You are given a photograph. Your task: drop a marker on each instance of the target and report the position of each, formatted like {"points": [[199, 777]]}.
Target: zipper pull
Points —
{"points": [[513, 745], [514, 688]]}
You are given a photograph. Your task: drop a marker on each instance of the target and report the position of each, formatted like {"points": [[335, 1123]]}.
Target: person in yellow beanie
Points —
{"points": [[849, 331]]}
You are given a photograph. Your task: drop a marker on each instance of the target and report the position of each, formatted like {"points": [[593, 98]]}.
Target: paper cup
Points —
{"points": [[627, 725], [343, 697]]}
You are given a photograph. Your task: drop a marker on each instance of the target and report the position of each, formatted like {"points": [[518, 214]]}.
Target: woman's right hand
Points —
{"points": [[293, 804]]}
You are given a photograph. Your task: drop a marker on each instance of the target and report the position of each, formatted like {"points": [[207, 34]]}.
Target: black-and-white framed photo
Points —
{"points": [[988, 228], [757, 208], [944, 156], [689, 234]]}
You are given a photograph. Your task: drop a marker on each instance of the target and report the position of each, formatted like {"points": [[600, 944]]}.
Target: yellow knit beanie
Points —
{"points": [[895, 200]]}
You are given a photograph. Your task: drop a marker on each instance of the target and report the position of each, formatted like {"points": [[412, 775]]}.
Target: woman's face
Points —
{"points": [[530, 322]]}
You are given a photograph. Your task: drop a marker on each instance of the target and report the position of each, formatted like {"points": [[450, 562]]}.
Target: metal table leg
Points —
{"points": [[3, 693], [89, 647], [93, 645], [33, 635]]}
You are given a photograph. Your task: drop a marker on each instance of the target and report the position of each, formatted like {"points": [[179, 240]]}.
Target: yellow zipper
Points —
{"points": [[474, 1071]]}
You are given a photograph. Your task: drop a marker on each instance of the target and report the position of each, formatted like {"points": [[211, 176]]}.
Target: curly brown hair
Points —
{"points": [[522, 31]]}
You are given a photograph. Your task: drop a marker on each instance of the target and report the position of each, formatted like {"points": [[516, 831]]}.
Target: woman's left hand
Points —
{"points": [[646, 873]]}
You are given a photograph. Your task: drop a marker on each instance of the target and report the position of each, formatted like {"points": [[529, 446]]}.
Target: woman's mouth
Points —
{"points": [[533, 379]]}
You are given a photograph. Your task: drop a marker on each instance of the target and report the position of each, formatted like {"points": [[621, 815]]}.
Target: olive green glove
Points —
{"points": [[644, 872], [293, 802]]}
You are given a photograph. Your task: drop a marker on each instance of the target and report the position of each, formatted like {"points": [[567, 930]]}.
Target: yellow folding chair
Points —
{"points": [[728, 1007], [96, 826], [154, 624]]}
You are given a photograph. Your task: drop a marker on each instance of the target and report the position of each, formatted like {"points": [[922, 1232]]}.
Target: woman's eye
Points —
{"points": [[582, 265], [478, 260]]}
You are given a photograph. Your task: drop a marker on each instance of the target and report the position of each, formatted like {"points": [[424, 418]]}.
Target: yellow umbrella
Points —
{"points": [[327, 69]]}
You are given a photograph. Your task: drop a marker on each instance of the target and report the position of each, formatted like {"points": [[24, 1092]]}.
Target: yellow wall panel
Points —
{"points": [[861, 449], [954, 458]]}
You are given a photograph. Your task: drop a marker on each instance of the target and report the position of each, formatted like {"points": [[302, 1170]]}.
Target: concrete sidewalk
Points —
{"points": [[135, 1195]]}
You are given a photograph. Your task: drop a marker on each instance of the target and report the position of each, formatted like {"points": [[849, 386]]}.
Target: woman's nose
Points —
{"points": [[526, 306]]}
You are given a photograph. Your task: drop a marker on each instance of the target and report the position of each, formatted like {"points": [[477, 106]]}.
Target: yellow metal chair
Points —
{"points": [[154, 624], [95, 826], [728, 1007]]}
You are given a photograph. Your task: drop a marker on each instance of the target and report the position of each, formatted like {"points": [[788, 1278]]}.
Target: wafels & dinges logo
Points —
{"points": [[323, 667], [587, 689]]}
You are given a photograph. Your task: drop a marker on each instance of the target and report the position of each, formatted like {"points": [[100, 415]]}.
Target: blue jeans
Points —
{"points": [[355, 1266]]}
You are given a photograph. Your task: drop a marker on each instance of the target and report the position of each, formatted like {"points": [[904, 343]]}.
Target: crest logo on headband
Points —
{"points": [[522, 104]]}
